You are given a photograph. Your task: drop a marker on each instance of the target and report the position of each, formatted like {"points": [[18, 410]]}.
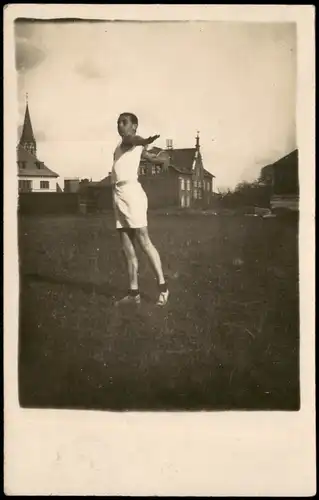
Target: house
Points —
{"points": [[185, 183], [284, 178], [33, 174]]}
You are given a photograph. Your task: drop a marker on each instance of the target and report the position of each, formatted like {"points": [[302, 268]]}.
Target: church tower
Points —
{"points": [[197, 145], [27, 140]]}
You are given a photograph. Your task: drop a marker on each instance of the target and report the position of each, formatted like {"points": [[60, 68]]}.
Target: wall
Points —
{"points": [[188, 193], [48, 203], [185, 191], [286, 179], [36, 183], [162, 190], [97, 198]]}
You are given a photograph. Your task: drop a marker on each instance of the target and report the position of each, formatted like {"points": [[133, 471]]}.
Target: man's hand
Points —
{"points": [[151, 139]]}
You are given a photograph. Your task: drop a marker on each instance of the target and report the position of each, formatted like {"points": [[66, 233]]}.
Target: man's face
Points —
{"points": [[125, 127]]}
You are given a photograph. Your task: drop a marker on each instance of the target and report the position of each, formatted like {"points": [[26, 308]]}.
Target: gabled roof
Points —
{"points": [[182, 160], [27, 131], [106, 181], [31, 169], [291, 159]]}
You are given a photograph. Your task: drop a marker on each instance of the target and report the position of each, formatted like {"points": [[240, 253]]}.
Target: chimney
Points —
{"points": [[169, 144]]}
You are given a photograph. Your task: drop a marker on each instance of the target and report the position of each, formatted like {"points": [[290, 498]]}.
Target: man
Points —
{"points": [[131, 205]]}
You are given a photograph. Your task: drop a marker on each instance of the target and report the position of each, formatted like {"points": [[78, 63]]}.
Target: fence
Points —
{"points": [[48, 203]]}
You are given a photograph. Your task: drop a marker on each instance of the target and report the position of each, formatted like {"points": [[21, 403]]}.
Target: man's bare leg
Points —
{"points": [[149, 249], [128, 247]]}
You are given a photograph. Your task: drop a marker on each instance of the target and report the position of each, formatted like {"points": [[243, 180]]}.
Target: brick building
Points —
{"points": [[186, 183]]}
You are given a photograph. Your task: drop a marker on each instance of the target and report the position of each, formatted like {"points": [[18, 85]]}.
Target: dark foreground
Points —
{"points": [[228, 340]]}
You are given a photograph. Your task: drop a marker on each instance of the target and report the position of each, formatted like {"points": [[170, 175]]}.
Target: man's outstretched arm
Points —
{"points": [[137, 140]]}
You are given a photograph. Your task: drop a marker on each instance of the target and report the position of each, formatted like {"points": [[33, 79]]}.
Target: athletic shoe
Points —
{"points": [[163, 298], [129, 299]]}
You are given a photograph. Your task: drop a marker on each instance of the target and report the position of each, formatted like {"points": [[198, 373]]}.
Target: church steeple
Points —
{"points": [[197, 142], [27, 139]]}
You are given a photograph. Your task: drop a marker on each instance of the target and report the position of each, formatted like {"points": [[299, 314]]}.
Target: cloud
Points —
{"points": [[24, 30], [28, 56], [28, 51], [88, 69], [40, 135]]}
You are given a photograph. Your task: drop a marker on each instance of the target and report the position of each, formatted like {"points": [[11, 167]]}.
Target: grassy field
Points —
{"points": [[228, 340]]}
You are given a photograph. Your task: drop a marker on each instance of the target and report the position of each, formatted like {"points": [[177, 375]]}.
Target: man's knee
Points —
{"points": [[143, 238], [131, 259]]}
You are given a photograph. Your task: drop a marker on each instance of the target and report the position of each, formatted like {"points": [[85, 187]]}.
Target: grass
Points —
{"points": [[228, 339]]}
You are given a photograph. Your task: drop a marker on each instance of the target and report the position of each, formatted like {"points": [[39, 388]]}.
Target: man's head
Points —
{"points": [[127, 124]]}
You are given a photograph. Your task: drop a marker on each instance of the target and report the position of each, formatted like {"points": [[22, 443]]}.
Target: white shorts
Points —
{"points": [[130, 206]]}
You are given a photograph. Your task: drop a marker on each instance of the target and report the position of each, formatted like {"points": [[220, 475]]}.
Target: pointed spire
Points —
{"points": [[27, 139], [197, 141]]}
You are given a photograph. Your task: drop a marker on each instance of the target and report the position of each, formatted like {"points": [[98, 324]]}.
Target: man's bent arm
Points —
{"points": [[152, 158]]}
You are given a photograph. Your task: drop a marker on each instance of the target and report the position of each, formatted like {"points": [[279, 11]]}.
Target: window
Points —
{"points": [[25, 185], [44, 184], [183, 200], [158, 169], [188, 185], [188, 201], [199, 183], [182, 184], [200, 194], [153, 170], [195, 193], [142, 170], [22, 164]]}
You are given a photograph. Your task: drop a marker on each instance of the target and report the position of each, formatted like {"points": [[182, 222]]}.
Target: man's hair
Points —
{"points": [[131, 116]]}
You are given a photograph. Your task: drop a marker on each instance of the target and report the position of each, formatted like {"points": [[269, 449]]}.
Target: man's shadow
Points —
{"points": [[106, 289]]}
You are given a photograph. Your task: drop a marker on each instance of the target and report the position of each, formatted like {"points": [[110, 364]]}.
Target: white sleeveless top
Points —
{"points": [[126, 167]]}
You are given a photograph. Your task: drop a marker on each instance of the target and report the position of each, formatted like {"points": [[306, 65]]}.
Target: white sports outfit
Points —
{"points": [[129, 198]]}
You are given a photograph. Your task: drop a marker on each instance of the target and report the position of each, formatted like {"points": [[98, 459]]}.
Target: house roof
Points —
{"points": [[27, 131], [106, 181], [291, 159], [182, 160], [31, 169]]}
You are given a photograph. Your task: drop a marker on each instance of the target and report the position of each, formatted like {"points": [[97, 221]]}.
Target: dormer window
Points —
{"points": [[22, 164], [39, 164]]}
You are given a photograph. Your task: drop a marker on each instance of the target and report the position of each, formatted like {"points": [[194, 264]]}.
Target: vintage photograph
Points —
{"points": [[158, 215]]}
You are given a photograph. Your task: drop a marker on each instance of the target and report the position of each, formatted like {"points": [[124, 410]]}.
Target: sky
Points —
{"points": [[235, 83]]}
